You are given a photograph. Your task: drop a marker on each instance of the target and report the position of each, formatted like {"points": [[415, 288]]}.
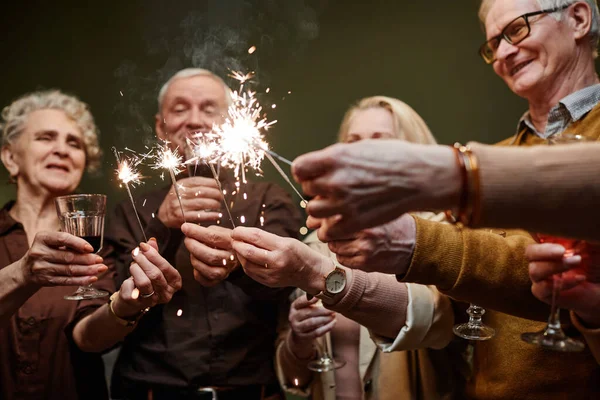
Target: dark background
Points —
{"points": [[327, 53]]}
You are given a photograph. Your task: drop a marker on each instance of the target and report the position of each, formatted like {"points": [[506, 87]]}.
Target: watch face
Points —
{"points": [[336, 281]]}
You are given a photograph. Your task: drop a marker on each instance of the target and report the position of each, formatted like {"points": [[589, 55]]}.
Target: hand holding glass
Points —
{"points": [[83, 215]]}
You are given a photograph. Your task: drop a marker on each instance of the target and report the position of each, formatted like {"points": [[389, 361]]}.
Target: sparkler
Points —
{"points": [[127, 173], [241, 139], [205, 148], [171, 161]]}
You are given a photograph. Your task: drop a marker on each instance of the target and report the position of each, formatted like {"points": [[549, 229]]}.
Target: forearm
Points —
{"points": [[99, 331], [14, 291], [476, 266], [292, 357], [513, 180]]}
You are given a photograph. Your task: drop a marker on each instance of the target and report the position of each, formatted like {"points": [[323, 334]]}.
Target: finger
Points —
{"points": [[60, 239], [544, 252], [140, 279], [72, 281], [320, 331], [303, 301], [339, 227], [64, 256], [310, 324], [313, 164], [199, 183], [313, 223], [572, 281], [198, 217], [542, 270], [158, 280], [153, 256], [214, 236], [251, 253], [314, 311], [203, 280], [199, 204], [127, 290], [209, 255], [70, 270], [257, 237], [210, 272], [153, 243]]}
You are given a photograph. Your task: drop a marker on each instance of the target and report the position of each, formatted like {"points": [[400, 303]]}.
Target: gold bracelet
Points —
{"points": [[469, 204], [123, 321]]}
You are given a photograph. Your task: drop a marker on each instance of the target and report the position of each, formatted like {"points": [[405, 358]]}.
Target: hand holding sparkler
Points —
{"points": [[199, 197], [211, 253], [153, 281]]}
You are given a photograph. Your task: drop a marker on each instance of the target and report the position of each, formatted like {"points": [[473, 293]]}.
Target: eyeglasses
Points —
{"points": [[515, 32]]}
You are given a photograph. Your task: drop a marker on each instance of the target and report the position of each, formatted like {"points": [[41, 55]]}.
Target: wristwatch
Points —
{"points": [[131, 321], [335, 282]]}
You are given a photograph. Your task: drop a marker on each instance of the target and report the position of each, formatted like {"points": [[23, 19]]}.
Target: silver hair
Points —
{"points": [[593, 34], [15, 115], [188, 73]]}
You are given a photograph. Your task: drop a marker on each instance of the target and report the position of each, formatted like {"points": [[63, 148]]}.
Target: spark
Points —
{"points": [[268, 90], [240, 137], [251, 49], [127, 173], [170, 160], [179, 312], [243, 219]]}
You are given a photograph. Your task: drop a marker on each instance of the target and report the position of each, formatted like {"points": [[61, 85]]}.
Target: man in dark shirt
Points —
{"points": [[216, 337]]}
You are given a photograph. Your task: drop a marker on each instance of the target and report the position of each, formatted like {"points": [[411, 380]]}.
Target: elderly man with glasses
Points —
{"points": [[544, 51]]}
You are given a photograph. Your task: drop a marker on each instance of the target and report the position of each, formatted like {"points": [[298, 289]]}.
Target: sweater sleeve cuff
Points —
{"points": [[429, 264], [419, 316]]}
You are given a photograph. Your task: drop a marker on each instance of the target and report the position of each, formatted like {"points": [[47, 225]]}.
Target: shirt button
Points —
{"points": [[368, 386], [31, 321]]}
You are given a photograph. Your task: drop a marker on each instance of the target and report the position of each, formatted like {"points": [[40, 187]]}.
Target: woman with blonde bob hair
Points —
{"points": [[49, 347], [407, 124], [422, 365]]}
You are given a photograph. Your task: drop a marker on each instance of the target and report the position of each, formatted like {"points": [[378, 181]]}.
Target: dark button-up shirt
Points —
{"points": [[205, 336], [38, 359]]}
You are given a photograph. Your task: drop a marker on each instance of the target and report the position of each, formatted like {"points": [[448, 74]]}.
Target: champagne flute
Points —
{"points": [[83, 215], [552, 336], [475, 329], [325, 362]]}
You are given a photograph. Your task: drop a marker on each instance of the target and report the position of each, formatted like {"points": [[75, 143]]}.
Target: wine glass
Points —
{"points": [[475, 329], [83, 215], [325, 362], [552, 336]]}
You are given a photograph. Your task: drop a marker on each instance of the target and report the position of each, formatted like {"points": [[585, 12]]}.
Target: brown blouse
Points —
{"points": [[38, 358]]}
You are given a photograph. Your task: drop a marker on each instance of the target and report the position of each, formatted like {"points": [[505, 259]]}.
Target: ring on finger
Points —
{"points": [[147, 295]]}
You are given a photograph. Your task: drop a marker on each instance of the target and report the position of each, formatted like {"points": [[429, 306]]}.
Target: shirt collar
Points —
{"points": [[575, 106], [6, 221]]}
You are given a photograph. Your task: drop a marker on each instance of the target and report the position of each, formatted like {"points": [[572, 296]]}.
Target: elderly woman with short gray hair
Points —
{"points": [[49, 347]]}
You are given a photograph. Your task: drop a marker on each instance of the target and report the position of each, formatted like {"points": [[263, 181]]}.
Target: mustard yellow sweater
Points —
{"points": [[491, 271]]}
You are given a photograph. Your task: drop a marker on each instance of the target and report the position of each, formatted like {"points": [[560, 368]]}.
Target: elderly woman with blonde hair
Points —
{"points": [[49, 347], [350, 323]]}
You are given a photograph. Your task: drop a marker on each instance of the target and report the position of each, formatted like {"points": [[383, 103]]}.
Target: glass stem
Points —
{"points": [[554, 319], [475, 315]]}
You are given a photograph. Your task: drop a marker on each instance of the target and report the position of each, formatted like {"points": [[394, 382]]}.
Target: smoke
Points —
{"points": [[214, 34]]}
